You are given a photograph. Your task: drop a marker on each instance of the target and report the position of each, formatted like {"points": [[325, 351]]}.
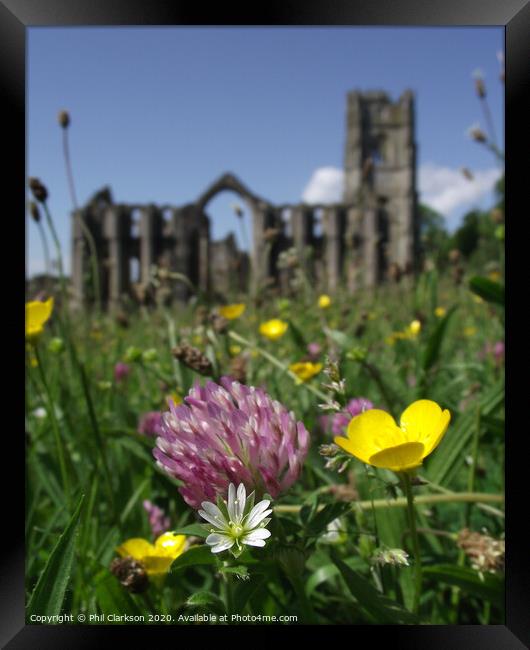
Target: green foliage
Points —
{"points": [[48, 596], [318, 563], [487, 290]]}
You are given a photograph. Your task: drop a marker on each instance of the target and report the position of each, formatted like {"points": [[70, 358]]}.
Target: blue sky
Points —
{"points": [[159, 113]]}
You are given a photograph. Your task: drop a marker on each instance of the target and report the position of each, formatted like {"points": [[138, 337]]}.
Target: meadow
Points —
{"points": [[349, 542]]}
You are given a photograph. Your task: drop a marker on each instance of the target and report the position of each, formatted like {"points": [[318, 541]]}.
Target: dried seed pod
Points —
{"points": [[130, 573], [480, 87], [34, 211], [64, 119], [193, 358], [219, 323], [38, 190], [485, 552]]}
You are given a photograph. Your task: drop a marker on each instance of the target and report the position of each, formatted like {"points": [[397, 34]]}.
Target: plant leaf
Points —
{"points": [[205, 599], [317, 524], [490, 587], [377, 605], [194, 556], [450, 454], [434, 344], [195, 530], [48, 595], [487, 289], [112, 598], [298, 337]]}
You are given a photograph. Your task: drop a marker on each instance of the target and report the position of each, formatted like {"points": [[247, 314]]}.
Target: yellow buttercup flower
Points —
{"points": [[324, 301], [440, 312], [470, 331], [273, 329], [234, 350], [230, 312], [37, 313], [374, 438], [305, 370], [155, 558], [414, 328]]}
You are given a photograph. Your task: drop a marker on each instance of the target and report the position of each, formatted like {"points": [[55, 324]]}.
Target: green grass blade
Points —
{"points": [[48, 595]]}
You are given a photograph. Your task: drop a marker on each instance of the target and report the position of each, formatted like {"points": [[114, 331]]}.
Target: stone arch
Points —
{"points": [[231, 183], [263, 217]]}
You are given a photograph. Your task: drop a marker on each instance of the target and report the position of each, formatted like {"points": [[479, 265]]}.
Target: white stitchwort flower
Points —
{"points": [[236, 522]]}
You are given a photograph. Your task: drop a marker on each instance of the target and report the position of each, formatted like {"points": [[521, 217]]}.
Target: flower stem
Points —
{"points": [[415, 541], [276, 362], [452, 497], [45, 249], [57, 244], [55, 427], [88, 235]]}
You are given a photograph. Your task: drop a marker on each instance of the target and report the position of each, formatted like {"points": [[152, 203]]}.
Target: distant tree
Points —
{"points": [[433, 235], [466, 238], [499, 193]]}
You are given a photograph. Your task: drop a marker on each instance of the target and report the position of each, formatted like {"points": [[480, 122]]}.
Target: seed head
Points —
{"points": [[193, 358], [486, 553], [130, 573], [38, 190], [64, 119], [34, 211]]}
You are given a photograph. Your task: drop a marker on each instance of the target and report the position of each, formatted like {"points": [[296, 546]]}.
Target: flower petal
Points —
{"points": [[399, 458], [215, 521], [369, 433], [157, 565], [232, 502], [424, 421], [241, 500], [253, 542], [37, 313], [257, 514], [226, 543], [259, 533], [136, 548], [215, 538], [170, 545]]}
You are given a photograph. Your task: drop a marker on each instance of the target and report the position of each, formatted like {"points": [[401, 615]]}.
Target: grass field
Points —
{"points": [[344, 546]]}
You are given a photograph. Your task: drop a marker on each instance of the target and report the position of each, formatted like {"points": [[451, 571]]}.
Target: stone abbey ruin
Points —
{"points": [[357, 243]]}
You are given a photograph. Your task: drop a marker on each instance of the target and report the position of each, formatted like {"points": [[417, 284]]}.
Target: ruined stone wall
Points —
{"points": [[352, 244]]}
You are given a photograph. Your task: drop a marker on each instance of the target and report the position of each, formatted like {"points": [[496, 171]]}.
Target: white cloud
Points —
{"points": [[446, 190], [326, 185]]}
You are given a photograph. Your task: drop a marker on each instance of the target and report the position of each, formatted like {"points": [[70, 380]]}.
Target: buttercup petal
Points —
{"points": [[156, 564], [423, 421], [37, 313], [435, 440], [170, 545], [370, 432], [399, 458], [136, 548]]}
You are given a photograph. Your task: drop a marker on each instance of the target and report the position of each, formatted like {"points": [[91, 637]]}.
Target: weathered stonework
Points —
{"points": [[352, 244]]}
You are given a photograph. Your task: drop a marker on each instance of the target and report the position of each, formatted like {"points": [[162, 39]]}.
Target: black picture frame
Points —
{"points": [[17, 15]]}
